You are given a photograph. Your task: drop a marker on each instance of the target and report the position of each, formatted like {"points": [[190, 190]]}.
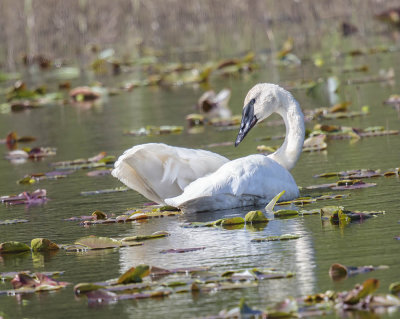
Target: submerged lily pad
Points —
{"points": [[276, 238]]}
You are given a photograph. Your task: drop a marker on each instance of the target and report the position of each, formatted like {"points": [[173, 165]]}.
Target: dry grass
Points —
{"points": [[220, 27]]}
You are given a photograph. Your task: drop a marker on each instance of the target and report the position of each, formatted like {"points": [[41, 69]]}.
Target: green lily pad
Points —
{"points": [[255, 216], [13, 247], [232, 221], [43, 244], [94, 242], [286, 213]]}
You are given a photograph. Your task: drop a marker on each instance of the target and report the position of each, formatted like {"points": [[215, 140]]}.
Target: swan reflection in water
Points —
{"points": [[230, 249]]}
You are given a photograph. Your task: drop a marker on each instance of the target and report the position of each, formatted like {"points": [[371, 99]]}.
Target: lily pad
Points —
{"points": [[276, 238], [255, 216], [94, 242], [43, 244], [285, 213], [232, 221], [181, 250], [134, 274], [13, 221], [339, 272], [13, 247], [83, 288], [159, 234]]}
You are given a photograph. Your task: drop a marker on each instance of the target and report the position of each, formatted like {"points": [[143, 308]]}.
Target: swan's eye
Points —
{"points": [[252, 101]]}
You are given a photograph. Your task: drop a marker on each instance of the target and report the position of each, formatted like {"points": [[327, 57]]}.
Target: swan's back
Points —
{"points": [[251, 180], [159, 171]]}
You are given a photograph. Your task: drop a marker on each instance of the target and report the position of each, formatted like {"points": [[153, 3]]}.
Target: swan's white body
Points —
{"points": [[198, 180]]}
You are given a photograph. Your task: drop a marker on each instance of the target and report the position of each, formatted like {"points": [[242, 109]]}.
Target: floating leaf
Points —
{"points": [[276, 238], [315, 143], [339, 272], [105, 191], [98, 215], [359, 292], [83, 288], [43, 244], [232, 221], [154, 130], [181, 250], [13, 221], [13, 247], [286, 213], [394, 288], [159, 234], [255, 216], [134, 274], [40, 282], [94, 242]]}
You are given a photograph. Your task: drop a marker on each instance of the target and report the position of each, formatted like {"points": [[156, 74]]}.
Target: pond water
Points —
{"points": [[82, 133]]}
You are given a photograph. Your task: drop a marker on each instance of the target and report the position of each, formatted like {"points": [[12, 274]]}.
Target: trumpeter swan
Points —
{"points": [[199, 180]]}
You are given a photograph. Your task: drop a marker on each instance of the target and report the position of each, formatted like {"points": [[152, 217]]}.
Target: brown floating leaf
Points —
{"points": [[338, 272]]}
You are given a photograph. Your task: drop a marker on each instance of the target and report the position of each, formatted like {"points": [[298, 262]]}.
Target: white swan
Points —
{"points": [[198, 180]]}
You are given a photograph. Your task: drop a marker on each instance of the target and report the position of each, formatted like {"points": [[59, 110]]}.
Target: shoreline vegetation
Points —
{"points": [[74, 31]]}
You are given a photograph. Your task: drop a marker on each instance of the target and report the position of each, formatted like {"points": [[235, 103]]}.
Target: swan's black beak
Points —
{"points": [[248, 121]]}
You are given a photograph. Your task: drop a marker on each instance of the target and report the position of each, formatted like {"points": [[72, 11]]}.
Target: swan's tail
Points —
{"points": [[160, 171]]}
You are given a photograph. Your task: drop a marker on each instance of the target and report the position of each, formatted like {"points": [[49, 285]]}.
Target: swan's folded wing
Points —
{"points": [[160, 171], [244, 181]]}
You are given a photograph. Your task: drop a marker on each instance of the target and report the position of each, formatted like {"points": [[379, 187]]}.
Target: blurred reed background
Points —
{"points": [[70, 29]]}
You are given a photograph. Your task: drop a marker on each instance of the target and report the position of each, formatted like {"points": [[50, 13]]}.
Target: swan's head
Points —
{"points": [[261, 101]]}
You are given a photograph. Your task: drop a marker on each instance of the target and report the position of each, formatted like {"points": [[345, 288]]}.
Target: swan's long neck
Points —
{"points": [[288, 154]]}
